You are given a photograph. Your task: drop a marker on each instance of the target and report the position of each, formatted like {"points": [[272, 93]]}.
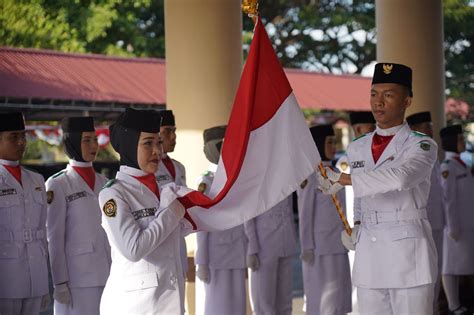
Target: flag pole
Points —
{"points": [[250, 7]]}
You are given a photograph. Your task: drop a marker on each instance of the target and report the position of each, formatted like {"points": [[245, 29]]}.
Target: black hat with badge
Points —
{"points": [[319, 134], [419, 118], [167, 118], [213, 138], [73, 127], [361, 118], [125, 133], [449, 137], [393, 73], [12, 121]]}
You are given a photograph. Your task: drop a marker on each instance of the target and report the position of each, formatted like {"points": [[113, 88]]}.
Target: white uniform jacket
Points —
{"points": [[78, 247], [458, 187], [320, 225], [272, 234], [23, 247], [221, 249], [395, 246], [146, 275]]}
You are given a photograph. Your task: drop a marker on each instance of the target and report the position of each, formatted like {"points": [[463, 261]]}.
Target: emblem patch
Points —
{"points": [[143, 213], [387, 68], [445, 174], [75, 196], [344, 166], [358, 164], [5, 192], [425, 146], [50, 196], [202, 187], [110, 208], [304, 183]]}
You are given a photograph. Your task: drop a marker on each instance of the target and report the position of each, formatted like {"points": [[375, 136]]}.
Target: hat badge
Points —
{"points": [[387, 68]]}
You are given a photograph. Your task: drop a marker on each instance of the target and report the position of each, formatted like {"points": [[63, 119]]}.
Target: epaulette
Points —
{"points": [[207, 173], [361, 136], [419, 134], [58, 174], [109, 183]]}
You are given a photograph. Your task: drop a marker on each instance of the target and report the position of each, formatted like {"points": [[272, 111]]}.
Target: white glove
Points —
{"points": [[332, 190], [253, 262], [323, 183], [45, 300], [168, 200], [62, 294], [203, 273], [307, 256], [350, 242], [332, 175]]}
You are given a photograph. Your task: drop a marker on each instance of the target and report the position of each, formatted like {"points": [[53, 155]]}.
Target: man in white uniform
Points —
{"points": [[23, 248], [220, 255], [271, 249], [78, 247], [421, 122], [458, 197], [395, 255]]}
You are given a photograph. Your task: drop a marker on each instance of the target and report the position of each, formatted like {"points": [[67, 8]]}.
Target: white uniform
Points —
{"points": [[146, 275], [272, 237], [163, 176], [327, 281], [78, 247], [395, 252], [23, 247], [458, 186], [224, 252]]}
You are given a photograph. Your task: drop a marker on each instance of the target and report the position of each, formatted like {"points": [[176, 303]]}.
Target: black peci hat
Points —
{"points": [[419, 118], [214, 133], [393, 73], [167, 118], [12, 121], [77, 124], [140, 120], [451, 130], [361, 118]]}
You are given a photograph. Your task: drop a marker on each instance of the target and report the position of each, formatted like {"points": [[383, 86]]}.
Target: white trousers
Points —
{"points": [[271, 287], [407, 301], [84, 301], [224, 294], [29, 306]]}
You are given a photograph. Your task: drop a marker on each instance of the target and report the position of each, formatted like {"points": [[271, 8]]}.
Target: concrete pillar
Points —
{"points": [[411, 32], [203, 67]]}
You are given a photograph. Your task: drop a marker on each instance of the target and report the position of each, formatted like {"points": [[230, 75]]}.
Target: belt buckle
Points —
{"points": [[27, 236]]}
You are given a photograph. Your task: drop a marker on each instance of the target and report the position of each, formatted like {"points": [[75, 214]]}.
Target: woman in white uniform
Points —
{"points": [[326, 270], [143, 224], [78, 247]]}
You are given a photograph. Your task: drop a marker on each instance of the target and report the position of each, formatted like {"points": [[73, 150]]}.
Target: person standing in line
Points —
{"points": [[270, 252], [23, 246], [78, 247], [395, 266], [326, 270], [170, 170], [457, 181], [421, 122], [143, 224], [220, 255]]}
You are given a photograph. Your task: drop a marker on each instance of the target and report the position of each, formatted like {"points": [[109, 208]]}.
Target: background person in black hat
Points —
{"points": [[78, 248], [395, 255], [326, 270], [457, 181], [143, 224], [421, 122], [23, 249]]}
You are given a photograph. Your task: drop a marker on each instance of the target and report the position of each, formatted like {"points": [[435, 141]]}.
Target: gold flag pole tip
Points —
{"points": [[250, 7]]}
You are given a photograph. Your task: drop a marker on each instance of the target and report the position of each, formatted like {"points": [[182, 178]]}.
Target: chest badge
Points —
{"points": [[110, 208], [202, 187], [50, 196], [445, 174]]}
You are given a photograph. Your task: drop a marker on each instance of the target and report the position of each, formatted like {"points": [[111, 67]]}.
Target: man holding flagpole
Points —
{"points": [[395, 256]]}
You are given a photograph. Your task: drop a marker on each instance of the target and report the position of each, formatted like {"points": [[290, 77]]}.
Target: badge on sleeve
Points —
{"points": [[110, 208], [202, 187], [425, 146], [445, 174], [304, 183], [344, 166], [50, 196]]}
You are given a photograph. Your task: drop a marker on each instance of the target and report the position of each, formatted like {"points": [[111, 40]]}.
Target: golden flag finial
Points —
{"points": [[250, 7]]}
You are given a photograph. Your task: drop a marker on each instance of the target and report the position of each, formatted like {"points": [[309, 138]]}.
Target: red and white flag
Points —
{"points": [[268, 149]]}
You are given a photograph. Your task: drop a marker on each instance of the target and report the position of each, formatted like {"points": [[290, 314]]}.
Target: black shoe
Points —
{"points": [[461, 310]]}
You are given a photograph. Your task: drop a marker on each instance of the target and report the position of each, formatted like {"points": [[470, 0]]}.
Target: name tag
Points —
{"points": [[161, 178], [143, 213], [75, 196], [358, 164], [6, 192]]}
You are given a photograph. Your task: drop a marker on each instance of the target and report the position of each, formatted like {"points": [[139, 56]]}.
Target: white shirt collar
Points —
{"points": [[132, 171], [451, 155], [212, 167], [80, 164], [389, 131], [9, 163]]}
